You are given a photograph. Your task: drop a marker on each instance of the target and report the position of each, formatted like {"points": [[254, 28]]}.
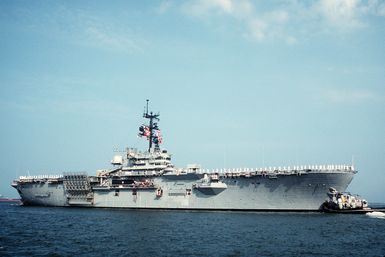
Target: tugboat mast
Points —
{"points": [[151, 131]]}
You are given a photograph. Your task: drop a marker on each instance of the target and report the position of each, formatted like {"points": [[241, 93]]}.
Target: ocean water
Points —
{"points": [[47, 231]]}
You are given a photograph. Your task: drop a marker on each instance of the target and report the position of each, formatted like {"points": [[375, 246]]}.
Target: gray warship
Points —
{"points": [[149, 180]]}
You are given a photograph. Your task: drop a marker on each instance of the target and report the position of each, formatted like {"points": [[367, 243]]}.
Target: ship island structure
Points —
{"points": [[149, 180]]}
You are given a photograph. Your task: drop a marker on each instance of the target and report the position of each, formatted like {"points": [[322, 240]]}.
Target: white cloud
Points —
{"points": [[109, 40], [376, 7], [257, 26], [291, 40], [206, 8], [77, 26], [203, 8], [270, 25], [279, 21], [257, 29], [91, 31], [349, 96], [279, 16], [164, 7], [341, 14]]}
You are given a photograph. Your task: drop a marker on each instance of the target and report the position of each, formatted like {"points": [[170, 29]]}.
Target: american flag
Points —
{"points": [[146, 132], [159, 136]]}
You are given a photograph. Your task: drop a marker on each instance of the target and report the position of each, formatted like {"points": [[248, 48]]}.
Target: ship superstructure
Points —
{"points": [[149, 180]]}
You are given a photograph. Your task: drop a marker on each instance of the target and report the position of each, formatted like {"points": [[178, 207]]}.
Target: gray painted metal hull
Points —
{"points": [[279, 193]]}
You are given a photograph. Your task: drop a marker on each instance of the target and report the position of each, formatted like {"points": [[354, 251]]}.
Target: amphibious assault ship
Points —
{"points": [[149, 180]]}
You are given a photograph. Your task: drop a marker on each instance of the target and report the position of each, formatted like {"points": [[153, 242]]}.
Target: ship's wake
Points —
{"points": [[376, 214]]}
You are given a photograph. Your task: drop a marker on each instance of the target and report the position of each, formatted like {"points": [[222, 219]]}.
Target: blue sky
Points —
{"points": [[237, 83]]}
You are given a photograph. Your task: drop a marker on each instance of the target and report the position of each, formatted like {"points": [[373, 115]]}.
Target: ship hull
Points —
{"points": [[295, 192]]}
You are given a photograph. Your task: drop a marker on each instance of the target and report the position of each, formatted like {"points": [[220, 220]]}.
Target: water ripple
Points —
{"points": [[41, 231]]}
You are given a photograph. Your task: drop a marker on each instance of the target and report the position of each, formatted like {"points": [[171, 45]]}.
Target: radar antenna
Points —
{"points": [[151, 131]]}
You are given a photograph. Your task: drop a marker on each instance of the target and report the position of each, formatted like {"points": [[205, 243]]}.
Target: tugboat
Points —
{"points": [[344, 202]]}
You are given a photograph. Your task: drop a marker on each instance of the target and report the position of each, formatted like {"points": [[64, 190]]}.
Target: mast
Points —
{"points": [[151, 131]]}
